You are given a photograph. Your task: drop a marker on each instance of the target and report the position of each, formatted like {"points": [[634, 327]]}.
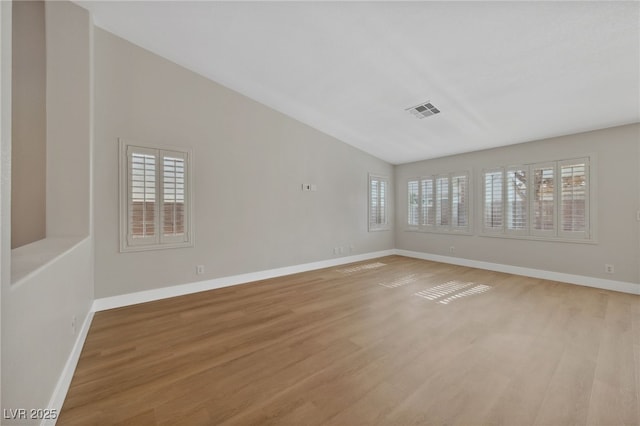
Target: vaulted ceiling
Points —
{"points": [[500, 72]]}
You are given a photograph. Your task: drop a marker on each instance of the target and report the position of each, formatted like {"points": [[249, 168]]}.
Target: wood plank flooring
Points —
{"points": [[391, 341]]}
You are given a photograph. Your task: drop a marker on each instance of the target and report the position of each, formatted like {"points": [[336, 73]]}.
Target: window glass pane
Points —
{"points": [[573, 197], [493, 212], [517, 200], [543, 198], [142, 179]]}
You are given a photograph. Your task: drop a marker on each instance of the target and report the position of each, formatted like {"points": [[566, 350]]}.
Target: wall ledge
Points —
{"points": [[30, 259]]}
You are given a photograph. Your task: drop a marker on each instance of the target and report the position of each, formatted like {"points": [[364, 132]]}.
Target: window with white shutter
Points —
{"points": [[428, 214], [574, 198], [493, 200], [378, 214], [460, 201], [442, 201], [413, 208], [517, 200], [154, 198], [544, 200], [439, 203]]}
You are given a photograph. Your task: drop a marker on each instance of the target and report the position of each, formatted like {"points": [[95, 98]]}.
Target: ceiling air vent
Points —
{"points": [[423, 110]]}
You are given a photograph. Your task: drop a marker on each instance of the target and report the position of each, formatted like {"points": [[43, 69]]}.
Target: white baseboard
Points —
{"points": [[195, 287], [621, 286], [64, 381]]}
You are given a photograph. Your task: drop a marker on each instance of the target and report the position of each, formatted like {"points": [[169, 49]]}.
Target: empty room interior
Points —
{"points": [[310, 213]]}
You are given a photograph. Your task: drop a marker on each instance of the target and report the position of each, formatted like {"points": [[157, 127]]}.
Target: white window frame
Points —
{"points": [[374, 226], [158, 240], [556, 234], [423, 222]]}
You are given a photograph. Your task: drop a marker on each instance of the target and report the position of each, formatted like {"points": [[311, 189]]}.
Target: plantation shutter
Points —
{"points": [[428, 215], [378, 187], [142, 205], [574, 198], [493, 203], [517, 201], [543, 193], [173, 213], [442, 201], [413, 208], [459, 202]]}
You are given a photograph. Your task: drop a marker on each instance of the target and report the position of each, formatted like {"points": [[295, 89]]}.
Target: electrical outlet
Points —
{"points": [[609, 269], [336, 250], [352, 248], [200, 269], [452, 249]]}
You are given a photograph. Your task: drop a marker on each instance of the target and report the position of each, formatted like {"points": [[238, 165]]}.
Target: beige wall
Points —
{"points": [[68, 120], [29, 124], [38, 310], [250, 162], [615, 179]]}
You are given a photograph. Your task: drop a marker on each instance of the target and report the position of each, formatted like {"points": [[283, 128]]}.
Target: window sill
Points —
{"points": [[30, 258], [545, 239], [439, 231], [379, 229], [152, 247]]}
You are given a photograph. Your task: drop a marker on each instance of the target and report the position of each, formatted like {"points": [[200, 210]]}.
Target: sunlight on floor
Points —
{"points": [[359, 268], [452, 290], [399, 282]]}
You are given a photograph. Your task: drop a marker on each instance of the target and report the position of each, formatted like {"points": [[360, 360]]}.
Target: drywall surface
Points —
{"points": [[250, 213], [29, 127], [68, 119], [43, 310], [615, 194], [38, 327]]}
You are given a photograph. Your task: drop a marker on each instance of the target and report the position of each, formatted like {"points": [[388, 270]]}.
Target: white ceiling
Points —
{"points": [[500, 72]]}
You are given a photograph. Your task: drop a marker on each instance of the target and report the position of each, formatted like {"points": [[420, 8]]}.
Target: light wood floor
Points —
{"points": [[391, 341]]}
